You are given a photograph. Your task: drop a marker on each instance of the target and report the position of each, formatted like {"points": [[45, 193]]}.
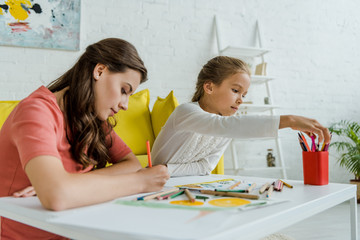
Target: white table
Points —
{"points": [[114, 221]]}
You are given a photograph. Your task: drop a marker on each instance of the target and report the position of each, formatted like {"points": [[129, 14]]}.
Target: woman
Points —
{"points": [[59, 138]]}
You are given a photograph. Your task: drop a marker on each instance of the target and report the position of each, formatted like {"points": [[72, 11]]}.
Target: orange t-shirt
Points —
{"points": [[36, 127]]}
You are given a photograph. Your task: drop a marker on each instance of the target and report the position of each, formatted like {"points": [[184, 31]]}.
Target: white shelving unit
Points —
{"points": [[252, 52], [244, 51]]}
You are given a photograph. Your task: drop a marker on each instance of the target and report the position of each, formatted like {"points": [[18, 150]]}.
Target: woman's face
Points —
{"points": [[225, 99], [112, 90]]}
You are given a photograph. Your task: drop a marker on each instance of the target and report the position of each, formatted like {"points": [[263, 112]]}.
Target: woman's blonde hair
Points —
{"points": [[216, 70]]}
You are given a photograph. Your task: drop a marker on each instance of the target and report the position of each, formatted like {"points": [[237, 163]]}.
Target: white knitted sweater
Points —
{"points": [[192, 140]]}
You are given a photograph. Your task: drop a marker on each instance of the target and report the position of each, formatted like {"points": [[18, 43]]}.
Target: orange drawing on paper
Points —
{"points": [[186, 203], [228, 202]]}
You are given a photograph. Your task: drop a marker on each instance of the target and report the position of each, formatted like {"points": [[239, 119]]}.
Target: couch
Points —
{"points": [[136, 125]]}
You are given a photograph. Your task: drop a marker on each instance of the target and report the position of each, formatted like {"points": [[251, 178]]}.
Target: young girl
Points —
{"points": [[59, 138], [197, 134]]}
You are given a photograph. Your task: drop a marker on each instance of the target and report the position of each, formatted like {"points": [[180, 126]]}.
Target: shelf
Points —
{"points": [[259, 79], [255, 108], [244, 51]]}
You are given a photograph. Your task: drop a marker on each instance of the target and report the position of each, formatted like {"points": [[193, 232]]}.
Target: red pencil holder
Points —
{"points": [[316, 168]]}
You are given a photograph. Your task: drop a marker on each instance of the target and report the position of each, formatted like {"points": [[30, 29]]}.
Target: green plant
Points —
{"points": [[348, 145]]}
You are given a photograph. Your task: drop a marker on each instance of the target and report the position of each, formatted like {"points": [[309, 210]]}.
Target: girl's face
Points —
{"points": [[225, 99], [112, 90]]}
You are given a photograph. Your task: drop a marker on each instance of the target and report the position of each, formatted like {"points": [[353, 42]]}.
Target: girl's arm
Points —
{"points": [[191, 118], [306, 125], [58, 190]]}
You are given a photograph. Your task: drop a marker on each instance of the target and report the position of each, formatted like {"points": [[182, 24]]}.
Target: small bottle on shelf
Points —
{"points": [[270, 159]]}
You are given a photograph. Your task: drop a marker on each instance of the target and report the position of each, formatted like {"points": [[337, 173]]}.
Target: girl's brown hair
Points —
{"points": [[216, 70], [87, 134]]}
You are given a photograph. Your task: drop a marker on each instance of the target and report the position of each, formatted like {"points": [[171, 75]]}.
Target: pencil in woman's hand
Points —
{"points": [[148, 153]]}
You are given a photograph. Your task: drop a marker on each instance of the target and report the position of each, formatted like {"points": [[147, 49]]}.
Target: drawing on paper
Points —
{"points": [[211, 203], [228, 202]]}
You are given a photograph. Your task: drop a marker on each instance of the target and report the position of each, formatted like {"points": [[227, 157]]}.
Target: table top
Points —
{"points": [[114, 221]]}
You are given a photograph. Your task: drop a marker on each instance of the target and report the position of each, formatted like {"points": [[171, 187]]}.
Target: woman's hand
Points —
{"points": [[154, 178], [306, 125], [26, 192]]}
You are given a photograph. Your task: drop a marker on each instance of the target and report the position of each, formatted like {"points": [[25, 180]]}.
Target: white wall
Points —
{"points": [[315, 54]]}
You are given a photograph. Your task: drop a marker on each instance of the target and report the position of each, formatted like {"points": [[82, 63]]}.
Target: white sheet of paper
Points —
{"points": [[173, 223]]}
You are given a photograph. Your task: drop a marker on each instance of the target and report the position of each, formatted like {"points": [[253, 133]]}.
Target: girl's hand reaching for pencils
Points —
{"points": [[154, 178], [306, 125]]}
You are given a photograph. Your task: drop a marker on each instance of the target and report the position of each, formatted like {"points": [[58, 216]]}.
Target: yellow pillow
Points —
{"points": [[6, 108], [161, 111], [143, 159], [219, 169], [134, 125]]}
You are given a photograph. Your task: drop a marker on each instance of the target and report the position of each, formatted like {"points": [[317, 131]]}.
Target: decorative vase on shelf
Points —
{"points": [[270, 159]]}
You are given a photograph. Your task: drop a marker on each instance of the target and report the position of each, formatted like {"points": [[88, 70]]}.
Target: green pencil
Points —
{"points": [[230, 190], [177, 194], [201, 197]]}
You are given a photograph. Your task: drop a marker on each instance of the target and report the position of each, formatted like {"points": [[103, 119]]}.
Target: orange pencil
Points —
{"points": [[304, 139], [236, 184], [148, 153]]}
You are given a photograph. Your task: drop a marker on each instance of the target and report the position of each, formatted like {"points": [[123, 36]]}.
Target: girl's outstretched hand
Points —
{"points": [[154, 178], [306, 125], [26, 192]]}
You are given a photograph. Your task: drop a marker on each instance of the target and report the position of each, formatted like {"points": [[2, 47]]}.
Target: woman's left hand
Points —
{"points": [[26, 192]]}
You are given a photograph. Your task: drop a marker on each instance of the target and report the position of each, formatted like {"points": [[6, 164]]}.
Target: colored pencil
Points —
{"points": [[264, 187], [278, 185], [302, 144], [201, 197], [167, 195], [231, 190], [286, 184], [189, 195], [304, 139], [154, 195], [326, 148], [251, 187], [177, 194], [148, 153], [269, 192], [236, 184], [313, 147], [230, 194], [323, 147]]}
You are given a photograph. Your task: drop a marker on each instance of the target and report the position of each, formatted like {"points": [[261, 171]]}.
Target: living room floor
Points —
{"points": [[332, 224]]}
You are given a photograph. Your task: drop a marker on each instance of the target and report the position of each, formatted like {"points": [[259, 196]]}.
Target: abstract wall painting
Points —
{"points": [[40, 23]]}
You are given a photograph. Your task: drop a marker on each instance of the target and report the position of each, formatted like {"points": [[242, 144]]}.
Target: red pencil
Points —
{"points": [[148, 153]]}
